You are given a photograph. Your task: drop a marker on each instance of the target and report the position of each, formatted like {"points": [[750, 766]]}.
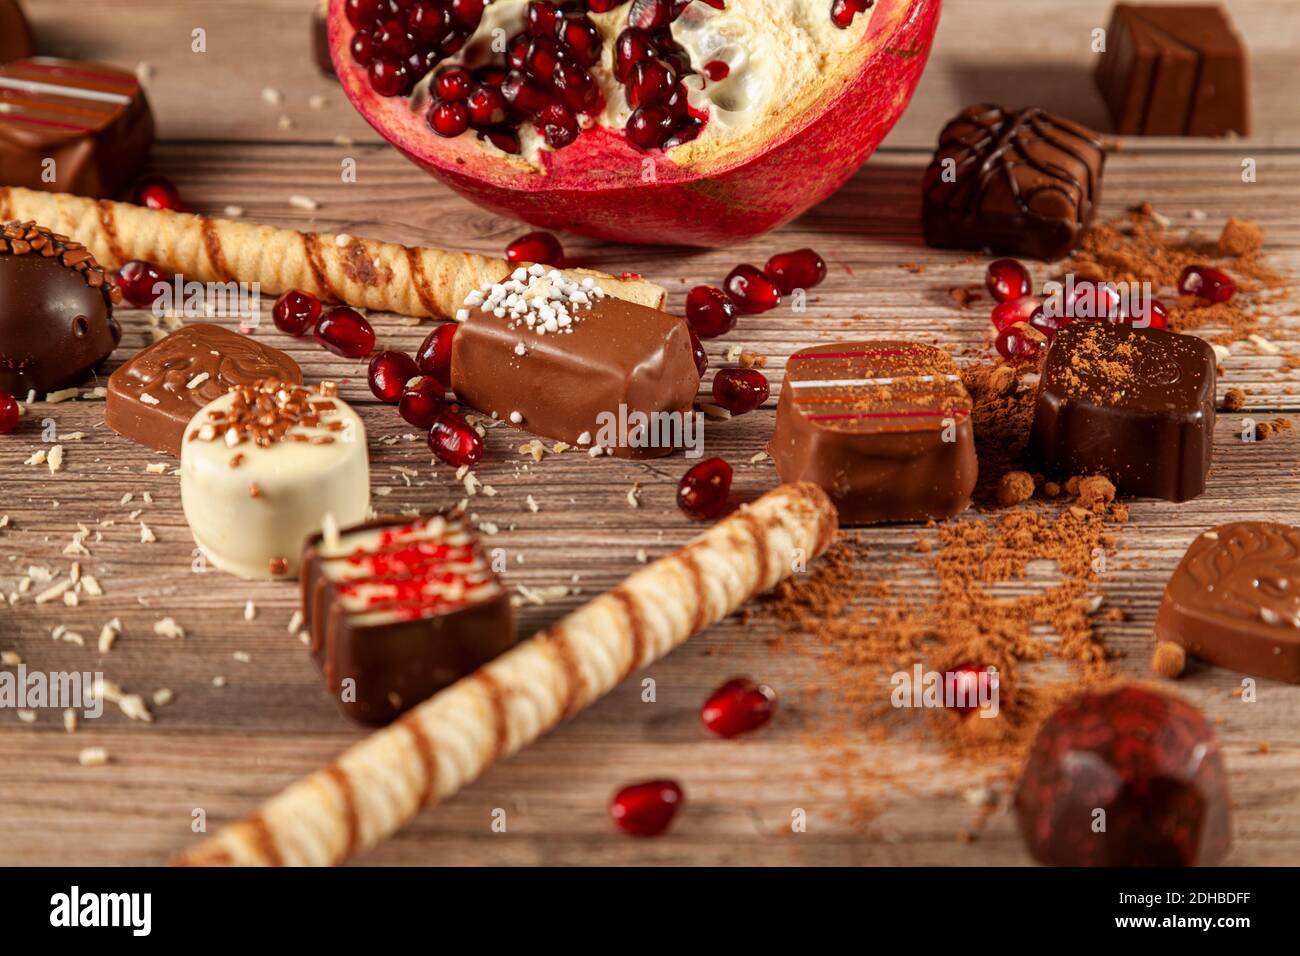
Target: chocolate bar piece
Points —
{"points": [[563, 359], [1174, 71], [1134, 404], [15, 34], [401, 608], [1234, 599], [264, 467], [883, 427], [153, 396], [1021, 183], [56, 311], [71, 127]]}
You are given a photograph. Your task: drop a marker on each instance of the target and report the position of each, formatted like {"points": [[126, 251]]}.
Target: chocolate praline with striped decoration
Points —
{"points": [[56, 310]]}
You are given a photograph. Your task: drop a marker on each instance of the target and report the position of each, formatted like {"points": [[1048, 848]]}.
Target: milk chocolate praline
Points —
{"points": [[56, 311]]}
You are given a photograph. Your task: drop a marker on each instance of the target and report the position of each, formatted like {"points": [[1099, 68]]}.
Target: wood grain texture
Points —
{"points": [[223, 750]]}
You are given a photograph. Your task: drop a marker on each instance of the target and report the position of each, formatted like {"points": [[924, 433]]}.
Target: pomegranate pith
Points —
{"points": [[296, 312], [434, 356], [703, 491], [738, 707], [751, 290], [137, 280], [740, 390], [9, 413], [389, 372], [345, 332], [646, 809], [709, 311], [454, 441]]}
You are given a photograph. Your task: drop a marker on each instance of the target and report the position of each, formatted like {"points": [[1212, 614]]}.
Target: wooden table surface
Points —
{"points": [[223, 749]]}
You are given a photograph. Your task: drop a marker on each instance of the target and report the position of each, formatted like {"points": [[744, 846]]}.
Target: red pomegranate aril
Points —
{"points": [[344, 332], [649, 127], [1019, 342], [652, 82], [542, 57], [517, 50], [434, 355], [490, 75], [631, 47], [1006, 314], [700, 356], [801, 269], [581, 38], [428, 21], [738, 707], [454, 85], [843, 11], [558, 126], [536, 247], [506, 140], [717, 70], [740, 390], [966, 679], [391, 38], [362, 13], [1207, 282], [362, 48], [576, 88], [1151, 314], [453, 440], [751, 290], [1049, 323], [646, 809], [137, 279], [9, 413], [542, 18], [703, 491], [448, 119], [158, 192], [486, 107], [389, 373], [467, 14], [422, 401], [1092, 300], [388, 77], [684, 133], [1008, 279], [709, 311], [296, 312], [649, 14], [604, 6], [525, 93]]}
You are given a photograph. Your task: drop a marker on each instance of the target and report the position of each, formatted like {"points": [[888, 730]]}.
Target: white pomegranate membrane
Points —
{"points": [[525, 78]]}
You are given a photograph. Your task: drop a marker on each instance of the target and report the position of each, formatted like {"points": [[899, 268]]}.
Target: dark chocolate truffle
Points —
{"points": [[56, 310]]}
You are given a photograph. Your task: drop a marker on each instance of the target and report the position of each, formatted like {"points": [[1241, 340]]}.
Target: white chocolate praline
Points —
{"points": [[253, 519]]}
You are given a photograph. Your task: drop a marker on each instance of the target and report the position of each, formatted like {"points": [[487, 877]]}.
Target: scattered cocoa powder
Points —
{"points": [[1234, 400], [1015, 487], [1096, 492], [1266, 430], [1169, 659]]}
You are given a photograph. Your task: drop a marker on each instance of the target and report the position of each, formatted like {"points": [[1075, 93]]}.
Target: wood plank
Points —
{"points": [[224, 749]]}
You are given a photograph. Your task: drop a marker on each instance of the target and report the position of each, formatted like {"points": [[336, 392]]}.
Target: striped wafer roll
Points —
{"points": [[443, 744], [365, 273]]}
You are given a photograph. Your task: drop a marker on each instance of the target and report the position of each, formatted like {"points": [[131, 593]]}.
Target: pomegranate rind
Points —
{"points": [[698, 197]]}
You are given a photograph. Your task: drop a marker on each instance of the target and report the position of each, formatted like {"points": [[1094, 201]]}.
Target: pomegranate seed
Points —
{"points": [[631, 47], [576, 88], [687, 131], [536, 247], [506, 140], [740, 390], [363, 49], [448, 119], [558, 126], [429, 21], [137, 280], [389, 373], [751, 290], [296, 312], [604, 6], [649, 127], [486, 107], [703, 490], [542, 18], [1092, 300], [652, 82], [709, 311], [1006, 314], [1047, 323], [1207, 282], [434, 356], [582, 39], [517, 50], [453, 440], [391, 38], [454, 85], [525, 93], [344, 332], [467, 13], [843, 11], [1151, 314], [966, 686], [542, 57], [1019, 342], [697, 352], [9, 413], [388, 77], [646, 809], [649, 14], [1008, 279], [737, 707], [157, 192], [717, 70], [361, 13], [421, 401], [801, 269]]}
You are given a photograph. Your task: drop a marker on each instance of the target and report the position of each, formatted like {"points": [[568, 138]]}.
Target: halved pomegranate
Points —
{"points": [[654, 121]]}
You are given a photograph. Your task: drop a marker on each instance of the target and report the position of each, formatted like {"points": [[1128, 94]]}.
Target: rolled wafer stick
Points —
{"points": [[365, 273], [446, 742]]}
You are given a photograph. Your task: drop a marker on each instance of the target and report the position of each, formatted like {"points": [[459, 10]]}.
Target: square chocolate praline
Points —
{"points": [[1018, 182], [1133, 404]]}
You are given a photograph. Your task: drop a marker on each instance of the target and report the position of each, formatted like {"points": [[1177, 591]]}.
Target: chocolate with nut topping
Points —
{"points": [[56, 310]]}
